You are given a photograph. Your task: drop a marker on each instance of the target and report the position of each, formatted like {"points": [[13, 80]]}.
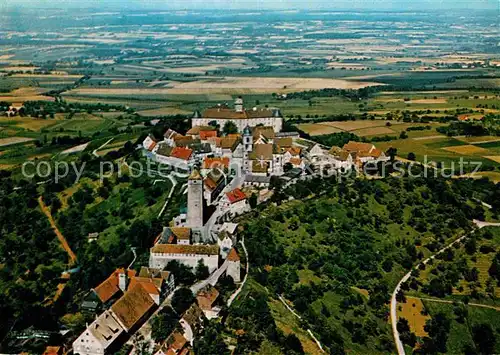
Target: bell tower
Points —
{"points": [[238, 104], [195, 200], [247, 148]]}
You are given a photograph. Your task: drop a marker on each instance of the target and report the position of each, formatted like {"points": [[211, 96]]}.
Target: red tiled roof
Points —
{"points": [[109, 287], [295, 161], [152, 146], [233, 255], [210, 184], [198, 129], [358, 147], [147, 283], [133, 306], [181, 232], [52, 350], [176, 341], [235, 196], [185, 249], [207, 297], [207, 134], [210, 163], [181, 153]]}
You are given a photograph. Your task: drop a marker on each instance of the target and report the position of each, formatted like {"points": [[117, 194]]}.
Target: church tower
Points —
{"points": [[247, 148], [238, 104], [195, 200], [234, 266]]}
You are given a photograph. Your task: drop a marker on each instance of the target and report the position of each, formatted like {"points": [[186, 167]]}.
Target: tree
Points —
{"points": [[182, 299], [438, 328], [253, 200], [412, 156], [163, 324], [229, 128], [212, 341], [202, 271], [293, 344], [392, 152], [183, 274], [287, 167], [484, 338]]}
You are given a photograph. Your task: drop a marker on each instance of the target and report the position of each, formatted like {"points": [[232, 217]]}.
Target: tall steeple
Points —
{"points": [[247, 148], [195, 200]]}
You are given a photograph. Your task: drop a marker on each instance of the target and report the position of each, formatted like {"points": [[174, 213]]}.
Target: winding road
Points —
{"points": [[394, 317]]}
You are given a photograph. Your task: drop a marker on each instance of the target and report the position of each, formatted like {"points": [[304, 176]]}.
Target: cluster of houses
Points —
{"points": [[127, 300], [223, 171]]}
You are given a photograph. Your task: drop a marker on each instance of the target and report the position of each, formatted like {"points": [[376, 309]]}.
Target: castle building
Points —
{"points": [[195, 200], [239, 116], [162, 254]]}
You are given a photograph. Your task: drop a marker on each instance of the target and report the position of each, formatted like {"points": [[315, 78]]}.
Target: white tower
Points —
{"points": [[195, 200], [234, 267], [238, 104], [247, 148]]}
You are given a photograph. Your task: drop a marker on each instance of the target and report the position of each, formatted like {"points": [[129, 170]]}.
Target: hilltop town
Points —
{"points": [[231, 154], [249, 181]]}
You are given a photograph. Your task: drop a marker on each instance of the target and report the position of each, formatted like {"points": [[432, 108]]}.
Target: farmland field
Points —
{"points": [[412, 310]]}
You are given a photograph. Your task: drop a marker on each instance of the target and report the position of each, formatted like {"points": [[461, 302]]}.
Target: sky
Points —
{"points": [[260, 4]]}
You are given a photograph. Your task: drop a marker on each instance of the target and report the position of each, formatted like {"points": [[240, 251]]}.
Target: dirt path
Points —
{"points": [[447, 301], [394, 317], [64, 242]]}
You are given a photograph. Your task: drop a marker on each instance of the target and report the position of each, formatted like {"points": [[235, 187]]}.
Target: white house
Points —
{"points": [[162, 254], [235, 202], [149, 143], [239, 116]]}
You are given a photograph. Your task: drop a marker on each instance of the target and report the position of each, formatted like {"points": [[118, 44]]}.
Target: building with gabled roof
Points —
{"points": [[162, 254], [235, 202], [133, 308], [239, 116], [105, 335], [234, 265], [113, 286], [206, 298], [213, 184], [149, 143]]}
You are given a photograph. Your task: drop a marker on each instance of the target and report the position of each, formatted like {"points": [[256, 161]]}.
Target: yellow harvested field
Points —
{"points": [[354, 125], [26, 94], [203, 69], [20, 68], [164, 111], [117, 92], [13, 140], [495, 158], [316, 129], [372, 131], [466, 149], [46, 76], [261, 84], [416, 101], [6, 166], [411, 310]]}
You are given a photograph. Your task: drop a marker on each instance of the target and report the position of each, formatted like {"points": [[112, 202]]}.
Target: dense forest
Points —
{"points": [[337, 250], [31, 261]]}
